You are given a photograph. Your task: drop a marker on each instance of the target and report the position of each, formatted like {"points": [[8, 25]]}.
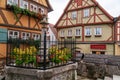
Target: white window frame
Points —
{"points": [[33, 9], [62, 33], [36, 36], [13, 36], [86, 12], [39, 10], [98, 31], [26, 35], [73, 15], [70, 32], [42, 11], [12, 2], [23, 3], [88, 31], [78, 32]]}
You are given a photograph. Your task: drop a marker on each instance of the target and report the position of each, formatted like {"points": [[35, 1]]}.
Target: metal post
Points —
{"points": [[44, 64]]}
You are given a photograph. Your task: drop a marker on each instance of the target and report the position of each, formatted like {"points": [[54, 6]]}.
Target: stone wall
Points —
{"points": [[67, 72], [99, 66]]}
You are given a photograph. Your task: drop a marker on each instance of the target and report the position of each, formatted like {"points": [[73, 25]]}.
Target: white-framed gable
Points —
{"points": [[87, 12]]}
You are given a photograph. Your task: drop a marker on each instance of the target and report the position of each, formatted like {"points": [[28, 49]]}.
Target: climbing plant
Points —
{"points": [[16, 10]]}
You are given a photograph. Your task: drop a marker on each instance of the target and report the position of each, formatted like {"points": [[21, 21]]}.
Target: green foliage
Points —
{"points": [[16, 10], [26, 56], [56, 55]]}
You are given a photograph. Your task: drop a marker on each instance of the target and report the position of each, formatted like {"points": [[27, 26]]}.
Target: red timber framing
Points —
{"points": [[93, 19], [118, 31]]}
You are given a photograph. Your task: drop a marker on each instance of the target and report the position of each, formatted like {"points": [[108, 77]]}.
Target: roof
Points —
{"points": [[96, 3], [53, 30], [45, 3], [49, 5]]}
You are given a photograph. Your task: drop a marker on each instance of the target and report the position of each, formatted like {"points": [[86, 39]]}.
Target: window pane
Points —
{"points": [[74, 15], [77, 31], [9, 2], [98, 31], [23, 34], [15, 33], [87, 31], [15, 2], [86, 13]]}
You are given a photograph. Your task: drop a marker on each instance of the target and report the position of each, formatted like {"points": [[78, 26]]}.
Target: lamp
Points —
{"points": [[44, 22], [43, 50]]}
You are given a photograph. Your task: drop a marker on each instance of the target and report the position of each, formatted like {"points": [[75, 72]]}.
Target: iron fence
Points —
{"points": [[38, 54]]}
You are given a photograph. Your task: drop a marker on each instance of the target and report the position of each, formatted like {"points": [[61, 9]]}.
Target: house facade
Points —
{"points": [[90, 25], [52, 33], [21, 19]]}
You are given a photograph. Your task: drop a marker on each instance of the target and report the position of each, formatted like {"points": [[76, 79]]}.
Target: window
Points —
{"points": [[86, 13], [39, 10], [77, 32], [87, 32], [62, 33], [25, 35], [13, 34], [97, 31], [12, 2], [23, 4], [70, 32], [36, 36], [42, 11], [33, 8], [74, 15]]}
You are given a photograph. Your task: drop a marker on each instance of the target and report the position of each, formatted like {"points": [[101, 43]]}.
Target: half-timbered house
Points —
{"points": [[21, 19], [89, 24]]}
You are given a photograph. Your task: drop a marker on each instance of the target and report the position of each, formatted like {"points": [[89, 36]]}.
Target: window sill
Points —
{"points": [[77, 36], [98, 35], [87, 35], [62, 37], [86, 16], [69, 36]]}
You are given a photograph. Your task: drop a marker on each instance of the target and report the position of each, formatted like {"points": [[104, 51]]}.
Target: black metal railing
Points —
{"points": [[39, 54]]}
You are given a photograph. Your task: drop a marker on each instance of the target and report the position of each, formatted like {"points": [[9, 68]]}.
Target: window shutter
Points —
{"points": [[3, 35]]}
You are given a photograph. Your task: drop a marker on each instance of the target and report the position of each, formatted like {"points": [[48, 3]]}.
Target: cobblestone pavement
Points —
{"points": [[106, 78], [82, 78]]}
